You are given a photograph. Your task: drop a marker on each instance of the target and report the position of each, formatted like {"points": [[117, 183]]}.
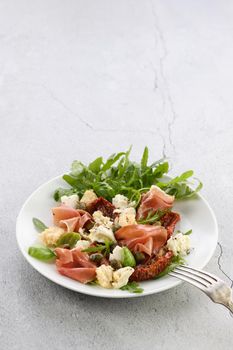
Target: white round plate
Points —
{"points": [[196, 214]]}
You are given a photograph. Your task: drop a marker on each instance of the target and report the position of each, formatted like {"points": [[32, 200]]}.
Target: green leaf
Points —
{"points": [[40, 226], [111, 160], [94, 249], [63, 192], [144, 159], [188, 232], [176, 261], [41, 253], [68, 239], [70, 180], [161, 169], [77, 167], [153, 217], [120, 175], [132, 287], [96, 165]]}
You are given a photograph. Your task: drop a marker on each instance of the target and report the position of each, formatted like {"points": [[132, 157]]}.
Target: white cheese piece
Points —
{"points": [[179, 244], [121, 277], [50, 235], [100, 219], [70, 201], [126, 217], [101, 233], [88, 197], [120, 201], [104, 275], [82, 244], [116, 254]]}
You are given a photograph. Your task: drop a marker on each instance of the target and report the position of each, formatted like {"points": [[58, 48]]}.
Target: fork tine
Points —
{"points": [[188, 279], [210, 275], [195, 273]]}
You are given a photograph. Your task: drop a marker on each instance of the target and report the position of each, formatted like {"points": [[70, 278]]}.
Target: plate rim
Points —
{"points": [[128, 295]]}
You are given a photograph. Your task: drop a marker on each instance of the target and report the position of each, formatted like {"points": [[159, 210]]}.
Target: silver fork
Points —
{"points": [[211, 285]]}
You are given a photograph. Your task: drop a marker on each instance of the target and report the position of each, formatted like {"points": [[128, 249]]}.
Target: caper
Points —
{"points": [[113, 245], [96, 257], [115, 264], [139, 257], [89, 225]]}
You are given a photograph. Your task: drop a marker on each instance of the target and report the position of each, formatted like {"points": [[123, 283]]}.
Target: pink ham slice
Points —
{"points": [[81, 274], [75, 264], [142, 238], [70, 219], [63, 213], [153, 200]]}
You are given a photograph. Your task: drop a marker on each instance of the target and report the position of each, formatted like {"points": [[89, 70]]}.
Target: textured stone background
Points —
{"points": [[84, 78]]}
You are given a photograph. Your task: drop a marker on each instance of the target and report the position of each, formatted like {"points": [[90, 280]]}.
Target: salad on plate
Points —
{"points": [[114, 226]]}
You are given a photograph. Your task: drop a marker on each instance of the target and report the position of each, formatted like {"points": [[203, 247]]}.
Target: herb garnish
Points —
{"points": [[105, 248], [41, 253], [132, 287], [153, 217], [68, 239], [40, 226], [185, 233], [118, 174]]}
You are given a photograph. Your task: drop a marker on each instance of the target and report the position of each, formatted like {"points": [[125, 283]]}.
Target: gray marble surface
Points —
{"points": [[84, 78]]}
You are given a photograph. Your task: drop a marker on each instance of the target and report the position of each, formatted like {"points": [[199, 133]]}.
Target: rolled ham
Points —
{"points": [[153, 200]]}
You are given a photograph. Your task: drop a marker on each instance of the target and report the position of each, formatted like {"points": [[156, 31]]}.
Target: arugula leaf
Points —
{"points": [[39, 224], [145, 156], [120, 175], [153, 217], [63, 192], [96, 165], [105, 248], [185, 233], [132, 287], [176, 261], [76, 168], [111, 160], [41, 253], [68, 239]]}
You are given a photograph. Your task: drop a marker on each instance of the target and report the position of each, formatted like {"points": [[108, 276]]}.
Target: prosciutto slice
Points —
{"points": [[70, 219], [81, 274], [63, 213], [142, 238], [153, 200], [75, 264]]}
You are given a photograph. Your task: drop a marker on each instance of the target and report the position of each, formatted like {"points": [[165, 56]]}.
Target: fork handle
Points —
{"points": [[229, 305]]}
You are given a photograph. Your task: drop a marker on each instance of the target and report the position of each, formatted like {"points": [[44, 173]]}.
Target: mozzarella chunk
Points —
{"points": [[82, 244], [121, 277], [120, 201], [100, 219], [50, 235], [101, 233], [116, 254], [126, 217], [104, 274], [179, 244], [70, 201], [88, 197]]}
